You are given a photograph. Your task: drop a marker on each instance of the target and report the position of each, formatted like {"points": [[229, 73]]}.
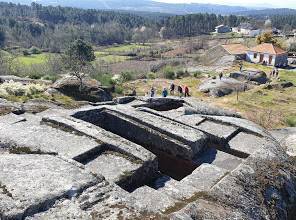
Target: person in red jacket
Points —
{"points": [[186, 89]]}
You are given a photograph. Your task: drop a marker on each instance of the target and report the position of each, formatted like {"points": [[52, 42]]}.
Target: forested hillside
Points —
{"points": [[142, 5], [282, 21], [191, 25], [52, 27]]}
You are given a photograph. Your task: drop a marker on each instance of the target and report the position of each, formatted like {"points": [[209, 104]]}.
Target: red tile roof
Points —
{"points": [[235, 49], [268, 48]]}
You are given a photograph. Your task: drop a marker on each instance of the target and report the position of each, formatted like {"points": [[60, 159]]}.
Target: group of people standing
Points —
{"points": [[181, 91]]}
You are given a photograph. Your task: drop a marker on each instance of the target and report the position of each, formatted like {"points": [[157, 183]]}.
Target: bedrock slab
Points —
{"points": [[242, 123], [114, 141], [218, 132], [113, 166], [37, 136], [146, 199], [202, 179], [219, 159], [151, 131], [246, 143], [32, 183], [117, 159]]}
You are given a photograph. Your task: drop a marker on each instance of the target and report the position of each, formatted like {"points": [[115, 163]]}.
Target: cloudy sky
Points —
{"points": [[260, 3]]}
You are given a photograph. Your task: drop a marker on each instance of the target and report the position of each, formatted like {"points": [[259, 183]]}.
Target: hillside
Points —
{"points": [[267, 12], [145, 5]]}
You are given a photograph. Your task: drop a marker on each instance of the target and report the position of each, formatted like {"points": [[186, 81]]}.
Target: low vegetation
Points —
{"points": [[18, 89]]}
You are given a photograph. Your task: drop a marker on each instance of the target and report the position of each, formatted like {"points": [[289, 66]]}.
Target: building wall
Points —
{"points": [[277, 60], [281, 60], [251, 33], [245, 31], [223, 29], [254, 33], [235, 30]]}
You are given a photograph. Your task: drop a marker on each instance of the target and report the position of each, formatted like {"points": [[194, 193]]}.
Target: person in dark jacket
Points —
{"points": [[220, 76], [180, 91], [186, 89], [152, 92], [172, 89]]}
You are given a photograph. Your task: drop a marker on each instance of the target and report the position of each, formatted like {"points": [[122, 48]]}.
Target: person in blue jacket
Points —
{"points": [[164, 92]]}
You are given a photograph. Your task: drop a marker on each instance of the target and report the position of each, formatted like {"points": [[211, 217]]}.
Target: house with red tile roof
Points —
{"points": [[268, 54], [237, 50]]}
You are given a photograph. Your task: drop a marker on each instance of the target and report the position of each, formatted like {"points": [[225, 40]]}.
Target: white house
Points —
{"points": [[268, 54], [236, 29], [248, 30]]}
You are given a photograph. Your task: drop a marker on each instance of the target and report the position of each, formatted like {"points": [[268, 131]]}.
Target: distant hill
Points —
{"points": [[267, 12], [141, 5]]}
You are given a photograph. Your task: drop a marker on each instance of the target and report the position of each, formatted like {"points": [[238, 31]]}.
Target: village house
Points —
{"points": [[268, 54], [222, 29], [247, 30]]}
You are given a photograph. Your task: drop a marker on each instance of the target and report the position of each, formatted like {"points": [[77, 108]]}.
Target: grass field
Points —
{"points": [[100, 54], [33, 59], [126, 48], [112, 59]]}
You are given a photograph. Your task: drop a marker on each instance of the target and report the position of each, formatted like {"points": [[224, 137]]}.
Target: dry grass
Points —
{"points": [[269, 108], [143, 86]]}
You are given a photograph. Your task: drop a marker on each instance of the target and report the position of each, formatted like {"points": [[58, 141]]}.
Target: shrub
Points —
{"points": [[151, 75], [35, 50], [169, 72], [291, 121], [156, 67], [104, 78], [18, 89], [126, 76], [197, 74], [118, 89], [182, 73], [35, 75], [26, 53], [51, 77]]}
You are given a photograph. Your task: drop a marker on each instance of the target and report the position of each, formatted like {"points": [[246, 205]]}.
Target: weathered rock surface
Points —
{"points": [[225, 86], [144, 159], [31, 183], [31, 106], [197, 107], [257, 76], [280, 85], [91, 91], [287, 138]]}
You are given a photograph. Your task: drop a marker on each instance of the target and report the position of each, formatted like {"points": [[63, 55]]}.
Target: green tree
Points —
{"points": [[267, 37], [78, 58], [287, 29], [2, 38]]}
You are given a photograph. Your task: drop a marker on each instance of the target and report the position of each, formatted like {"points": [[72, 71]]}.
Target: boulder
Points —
{"points": [[287, 138], [195, 106], [257, 76], [225, 86], [279, 85], [7, 107], [92, 90]]}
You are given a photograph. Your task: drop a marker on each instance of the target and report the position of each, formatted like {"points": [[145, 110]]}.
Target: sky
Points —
{"points": [[248, 3]]}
